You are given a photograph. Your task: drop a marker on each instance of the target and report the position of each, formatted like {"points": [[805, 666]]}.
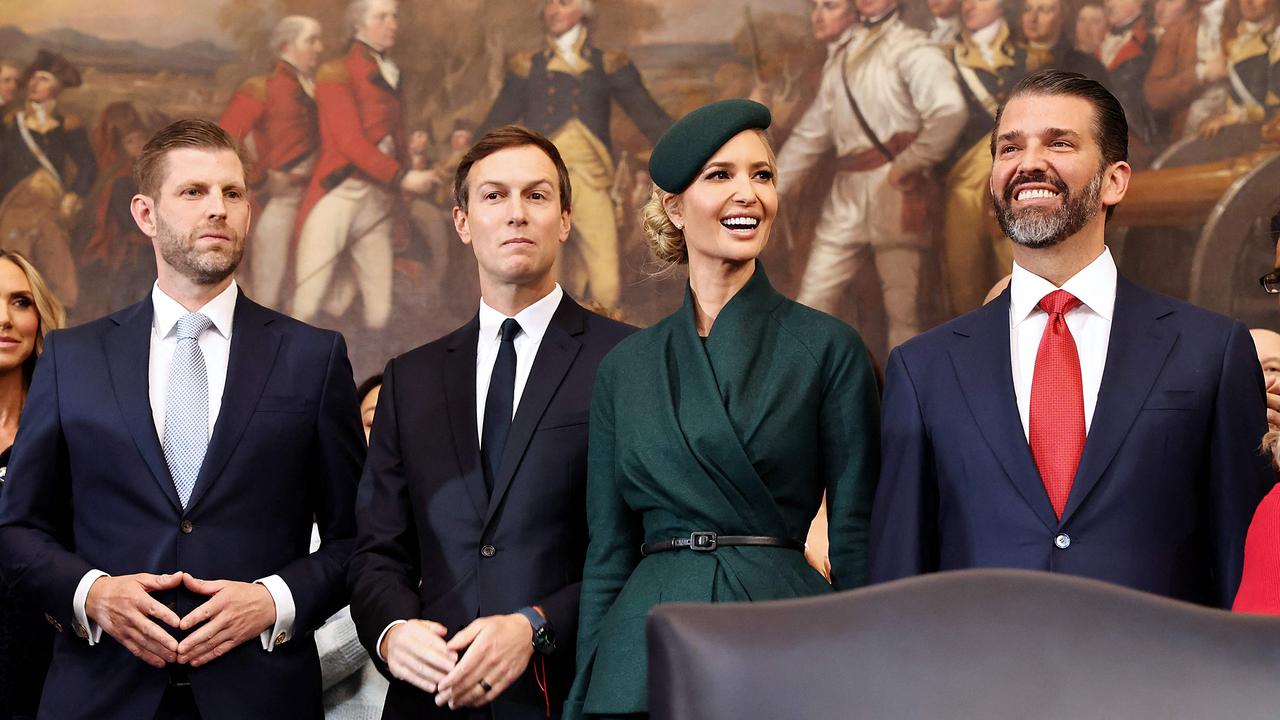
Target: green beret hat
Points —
{"points": [[694, 138]]}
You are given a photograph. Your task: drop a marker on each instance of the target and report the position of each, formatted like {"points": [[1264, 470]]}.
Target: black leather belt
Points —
{"points": [[709, 541]]}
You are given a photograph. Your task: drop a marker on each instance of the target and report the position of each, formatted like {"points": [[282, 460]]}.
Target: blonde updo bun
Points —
{"points": [[664, 239]]}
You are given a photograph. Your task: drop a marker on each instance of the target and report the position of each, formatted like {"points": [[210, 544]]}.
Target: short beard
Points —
{"points": [[1037, 228], [202, 268]]}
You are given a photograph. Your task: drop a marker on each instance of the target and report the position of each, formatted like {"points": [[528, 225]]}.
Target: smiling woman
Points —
{"points": [[29, 312], [717, 430]]}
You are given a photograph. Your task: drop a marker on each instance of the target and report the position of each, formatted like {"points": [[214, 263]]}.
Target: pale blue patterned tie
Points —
{"points": [[186, 410]]}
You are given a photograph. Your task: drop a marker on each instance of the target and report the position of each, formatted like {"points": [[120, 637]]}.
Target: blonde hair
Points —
{"points": [[1270, 441], [665, 240], [49, 310]]}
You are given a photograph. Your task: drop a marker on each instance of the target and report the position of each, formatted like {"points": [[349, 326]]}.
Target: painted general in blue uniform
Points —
{"points": [[565, 91]]}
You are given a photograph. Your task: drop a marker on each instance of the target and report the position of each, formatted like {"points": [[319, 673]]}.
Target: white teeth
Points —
{"points": [[745, 223], [1036, 194]]}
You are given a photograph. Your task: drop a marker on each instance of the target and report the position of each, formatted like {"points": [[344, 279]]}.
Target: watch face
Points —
{"points": [[544, 640]]}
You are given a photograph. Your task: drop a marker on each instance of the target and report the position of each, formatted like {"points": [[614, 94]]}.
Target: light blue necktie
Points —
{"points": [[186, 410]]}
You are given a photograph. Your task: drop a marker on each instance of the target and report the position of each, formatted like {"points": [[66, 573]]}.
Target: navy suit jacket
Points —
{"points": [[434, 545], [89, 488], [1169, 477]]}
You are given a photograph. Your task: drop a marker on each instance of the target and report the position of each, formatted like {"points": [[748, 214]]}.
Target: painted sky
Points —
{"points": [[170, 22]]}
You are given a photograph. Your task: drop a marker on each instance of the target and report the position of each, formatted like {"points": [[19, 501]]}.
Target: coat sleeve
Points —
{"points": [[35, 508], [1170, 84], [935, 92], [904, 521], [386, 567], [615, 535], [850, 460], [631, 94], [81, 153], [508, 107], [1239, 475], [318, 581], [340, 122]]}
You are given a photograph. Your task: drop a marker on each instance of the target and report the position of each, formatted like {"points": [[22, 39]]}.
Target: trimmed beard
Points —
{"points": [[209, 267], [1037, 228]]}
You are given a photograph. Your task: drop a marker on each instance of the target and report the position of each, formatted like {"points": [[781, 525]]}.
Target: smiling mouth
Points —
{"points": [[1036, 194], [741, 223]]}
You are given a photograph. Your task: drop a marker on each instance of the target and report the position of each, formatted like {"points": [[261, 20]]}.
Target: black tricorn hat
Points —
{"points": [[54, 64]]}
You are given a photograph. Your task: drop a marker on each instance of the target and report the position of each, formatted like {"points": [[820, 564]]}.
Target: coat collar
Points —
{"points": [[128, 350], [1140, 341]]}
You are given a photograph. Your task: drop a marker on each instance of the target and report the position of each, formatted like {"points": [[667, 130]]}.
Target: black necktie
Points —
{"points": [[499, 403]]}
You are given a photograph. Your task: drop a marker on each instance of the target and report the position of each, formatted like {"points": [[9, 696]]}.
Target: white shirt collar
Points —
{"points": [[569, 40], [1213, 10], [987, 35], [167, 311], [947, 23], [1094, 286], [533, 319]]}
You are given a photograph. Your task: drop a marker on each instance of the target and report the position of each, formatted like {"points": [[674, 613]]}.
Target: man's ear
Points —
{"points": [[460, 225], [566, 224], [143, 209], [1116, 183]]}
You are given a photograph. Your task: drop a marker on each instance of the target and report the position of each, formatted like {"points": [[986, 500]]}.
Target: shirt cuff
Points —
{"points": [[383, 635], [85, 627], [282, 631]]}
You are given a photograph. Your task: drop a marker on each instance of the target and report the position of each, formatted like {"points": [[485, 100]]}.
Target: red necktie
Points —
{"points": [[1057, 402]]}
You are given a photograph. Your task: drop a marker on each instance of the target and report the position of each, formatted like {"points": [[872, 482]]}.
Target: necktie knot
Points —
{"points": [[191, 325], [1059, 302], [510, 328]]}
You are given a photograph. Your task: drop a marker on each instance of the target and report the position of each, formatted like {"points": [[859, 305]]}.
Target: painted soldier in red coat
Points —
{"points": [[345, 247], [277, 113]]}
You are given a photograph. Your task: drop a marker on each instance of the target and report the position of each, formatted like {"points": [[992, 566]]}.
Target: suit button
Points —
{"points": [[187, 526], [1062, 541], [488, 551]]}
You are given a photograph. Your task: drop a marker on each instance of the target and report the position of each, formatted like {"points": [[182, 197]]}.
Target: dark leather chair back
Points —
{"points": [[981, 644]]}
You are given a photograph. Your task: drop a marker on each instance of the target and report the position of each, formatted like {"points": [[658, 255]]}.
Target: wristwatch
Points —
{"points": [[544, 638]]}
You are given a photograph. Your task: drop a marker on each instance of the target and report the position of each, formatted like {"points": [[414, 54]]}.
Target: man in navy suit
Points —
{"points": [[170, 462], [472, 508], [1077, 423]]}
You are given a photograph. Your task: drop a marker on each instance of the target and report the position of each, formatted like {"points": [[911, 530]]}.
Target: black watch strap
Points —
{"points": [[544, 638]]}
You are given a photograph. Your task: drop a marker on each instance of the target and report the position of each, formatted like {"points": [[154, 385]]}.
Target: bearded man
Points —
{"points": [[1078, 423], [170, 464]]}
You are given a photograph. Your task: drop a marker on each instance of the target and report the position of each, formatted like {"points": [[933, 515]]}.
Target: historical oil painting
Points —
{"points": [[356, 113]]}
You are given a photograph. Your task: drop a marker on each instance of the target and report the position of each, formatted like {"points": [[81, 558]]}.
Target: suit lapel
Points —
{"points": [[460, 403], [1137, 349], [253, 353], [555, 355], [983, 371], [128, 348]]}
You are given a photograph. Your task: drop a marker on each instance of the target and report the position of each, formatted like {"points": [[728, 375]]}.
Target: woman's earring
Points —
{"points": [[680, 226]]}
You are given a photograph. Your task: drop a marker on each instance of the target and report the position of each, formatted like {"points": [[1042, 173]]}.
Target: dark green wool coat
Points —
{"points": [[740, 437]]}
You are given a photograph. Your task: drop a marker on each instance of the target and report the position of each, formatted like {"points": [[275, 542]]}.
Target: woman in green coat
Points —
{"points": [[722, 425]]}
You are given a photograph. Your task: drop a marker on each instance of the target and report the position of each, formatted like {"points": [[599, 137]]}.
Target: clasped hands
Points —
{"points": [[124, 608], [497, 651]]}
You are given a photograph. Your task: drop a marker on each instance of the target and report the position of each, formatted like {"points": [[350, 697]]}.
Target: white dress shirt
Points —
{"points": [[215, 345], [534, 321], [1090, 325], [533, 325]]}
